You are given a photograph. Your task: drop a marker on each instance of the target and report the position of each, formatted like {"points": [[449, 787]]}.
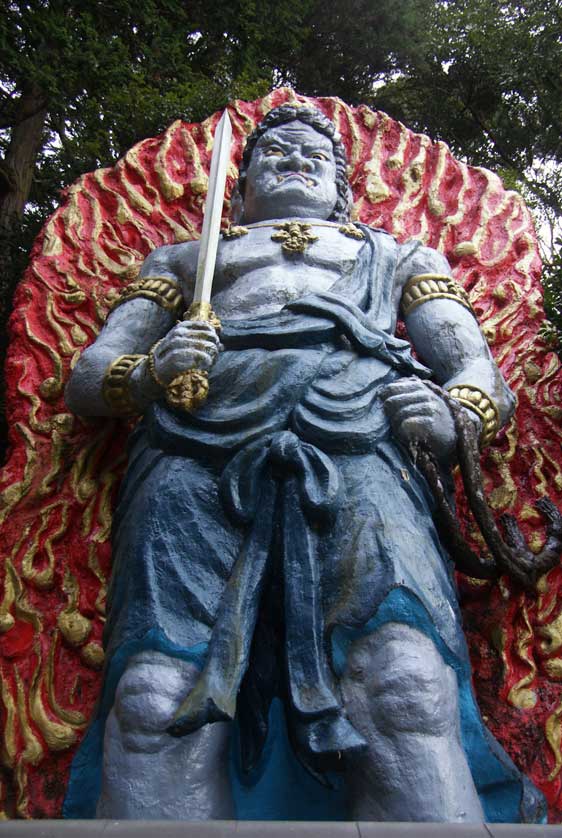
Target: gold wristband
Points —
{"points": [[482, 405], [159, 289], [115, 388], [425, 287], [152, 367]]}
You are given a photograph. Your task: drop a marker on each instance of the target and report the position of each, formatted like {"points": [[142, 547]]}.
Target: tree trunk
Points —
{"points": [[18, 166], [16, 176]]}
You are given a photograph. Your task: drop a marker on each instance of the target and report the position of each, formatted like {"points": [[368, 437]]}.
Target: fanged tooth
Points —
{"points": [[309, 182]]}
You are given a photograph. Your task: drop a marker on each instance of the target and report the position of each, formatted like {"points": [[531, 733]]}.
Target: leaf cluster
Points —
{"points": [[114, 72], [487, 81]]}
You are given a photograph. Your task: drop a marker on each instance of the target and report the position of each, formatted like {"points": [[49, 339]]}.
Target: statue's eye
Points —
{"points": [[319, 155], [273, 151]]}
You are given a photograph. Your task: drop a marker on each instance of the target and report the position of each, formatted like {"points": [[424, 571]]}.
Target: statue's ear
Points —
{"points": [[236, 206]]}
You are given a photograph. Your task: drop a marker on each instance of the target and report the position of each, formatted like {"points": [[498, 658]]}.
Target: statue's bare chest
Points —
{"points": [[261, 271]]}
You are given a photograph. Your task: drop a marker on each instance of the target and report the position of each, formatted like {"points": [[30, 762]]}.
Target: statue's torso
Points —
{"points": [[255, 276]]}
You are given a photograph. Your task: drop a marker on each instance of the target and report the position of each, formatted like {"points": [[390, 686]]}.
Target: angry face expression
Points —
{"points": [[292, 174]]}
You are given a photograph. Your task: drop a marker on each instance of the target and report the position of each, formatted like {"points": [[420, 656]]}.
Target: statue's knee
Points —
{"points": [[406, 685], [150, 691]]}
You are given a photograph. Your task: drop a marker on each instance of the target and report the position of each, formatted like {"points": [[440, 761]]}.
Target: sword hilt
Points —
{"points": [[189, 390]]}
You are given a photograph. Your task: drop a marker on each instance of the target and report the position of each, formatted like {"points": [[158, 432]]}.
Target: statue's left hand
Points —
{"points": [[416, 414]]}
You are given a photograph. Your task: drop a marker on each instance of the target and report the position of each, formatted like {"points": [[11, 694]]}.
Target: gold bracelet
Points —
{"points": [[482, 405], [152, 367], [159, 289], [424, 287], [115, 388]]}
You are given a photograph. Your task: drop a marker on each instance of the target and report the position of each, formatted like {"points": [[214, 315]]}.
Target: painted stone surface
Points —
{"points": [[60, 481]]}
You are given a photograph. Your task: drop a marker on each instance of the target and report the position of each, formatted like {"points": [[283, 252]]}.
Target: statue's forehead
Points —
{"points": [[298, 132]]}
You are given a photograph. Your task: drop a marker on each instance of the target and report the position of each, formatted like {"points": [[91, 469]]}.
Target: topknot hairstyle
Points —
{"points": [[317, 120]]}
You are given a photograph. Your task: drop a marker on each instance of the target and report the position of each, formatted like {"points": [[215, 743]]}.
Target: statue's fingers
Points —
{"points": [[200, 325], [201, 344], [189, 329], [415, 428], [202, 360], [173, 345], [421, 412], [187, 340], [175, 356], [405, 385], [393, 404], [192, 358]]}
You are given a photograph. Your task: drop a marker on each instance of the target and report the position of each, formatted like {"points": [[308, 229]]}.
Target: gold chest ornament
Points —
{"points": [[296, 236]]}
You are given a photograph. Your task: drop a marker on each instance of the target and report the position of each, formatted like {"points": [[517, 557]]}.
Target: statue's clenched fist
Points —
{"points": [[417, 414], [191, 344]]}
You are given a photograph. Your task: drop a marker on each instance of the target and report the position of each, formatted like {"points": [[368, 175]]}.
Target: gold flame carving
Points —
{"points": [[520, 695], [553, 732], [75, 628], [58, 735]]}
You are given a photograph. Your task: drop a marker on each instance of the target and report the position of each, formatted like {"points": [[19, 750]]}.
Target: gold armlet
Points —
{"points": [[424, 287], [115, 386], [160, 289], [482, 405]]}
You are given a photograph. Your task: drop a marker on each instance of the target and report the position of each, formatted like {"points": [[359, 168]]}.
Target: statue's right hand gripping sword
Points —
{"points": [[189, 389]]}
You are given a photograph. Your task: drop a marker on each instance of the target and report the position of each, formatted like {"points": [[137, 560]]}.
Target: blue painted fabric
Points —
{"points": [[262, 534]]}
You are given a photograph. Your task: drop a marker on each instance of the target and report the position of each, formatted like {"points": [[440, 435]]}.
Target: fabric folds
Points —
{"points": [[308, 487]]}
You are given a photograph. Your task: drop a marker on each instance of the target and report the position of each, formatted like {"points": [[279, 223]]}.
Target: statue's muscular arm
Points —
{"points": [[132, 329], [449, 341]]}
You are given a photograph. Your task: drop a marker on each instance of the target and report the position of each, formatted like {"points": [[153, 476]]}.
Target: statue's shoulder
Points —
{"points": [[416, 258], [179, 258], [381, 238], [405, 248]]}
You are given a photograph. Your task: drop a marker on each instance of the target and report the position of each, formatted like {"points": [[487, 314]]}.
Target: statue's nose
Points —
{"points": [[296, 162]]}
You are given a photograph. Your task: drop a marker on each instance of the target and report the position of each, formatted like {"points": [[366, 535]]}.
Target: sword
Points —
{"points": [[189, 390]]}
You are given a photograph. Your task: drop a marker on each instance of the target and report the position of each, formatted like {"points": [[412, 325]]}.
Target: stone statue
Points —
{"points": [[275, 548]]}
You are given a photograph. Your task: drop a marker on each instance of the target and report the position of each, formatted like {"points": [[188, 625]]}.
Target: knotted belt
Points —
{"points": [[282, 473]]}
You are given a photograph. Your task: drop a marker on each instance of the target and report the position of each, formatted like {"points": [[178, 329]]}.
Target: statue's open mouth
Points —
{"points": [[291, 175]]}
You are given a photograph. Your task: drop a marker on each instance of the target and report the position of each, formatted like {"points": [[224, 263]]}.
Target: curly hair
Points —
{"points": [[317, 120]]}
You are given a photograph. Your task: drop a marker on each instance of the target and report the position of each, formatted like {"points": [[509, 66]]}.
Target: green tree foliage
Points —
{"points": [[488, 82], [347, 46], [85, 80]]}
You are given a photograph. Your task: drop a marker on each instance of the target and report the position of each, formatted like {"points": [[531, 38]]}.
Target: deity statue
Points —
{"points": [[276, 564]]}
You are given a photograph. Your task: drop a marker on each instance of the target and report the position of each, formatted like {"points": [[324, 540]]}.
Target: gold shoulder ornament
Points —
{"points": [[234, 231], [424, 287], [352, 231]]}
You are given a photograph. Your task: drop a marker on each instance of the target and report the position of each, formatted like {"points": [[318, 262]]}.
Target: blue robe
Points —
{"points": [[261, 535]]}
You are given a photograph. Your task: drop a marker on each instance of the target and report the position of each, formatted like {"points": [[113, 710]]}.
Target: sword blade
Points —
{"points": [[210, 233]]}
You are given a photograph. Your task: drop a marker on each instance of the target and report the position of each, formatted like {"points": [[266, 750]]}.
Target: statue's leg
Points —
{"points": [[148, 774], [402, 696]]}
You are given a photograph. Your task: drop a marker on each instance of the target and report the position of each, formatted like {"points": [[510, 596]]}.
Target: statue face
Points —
{"points": [[292, 174]]}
